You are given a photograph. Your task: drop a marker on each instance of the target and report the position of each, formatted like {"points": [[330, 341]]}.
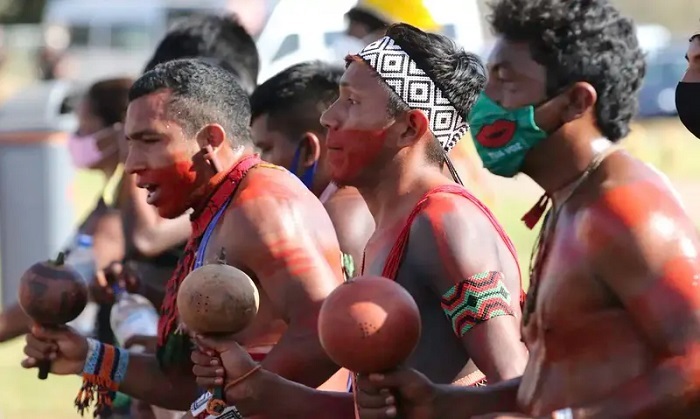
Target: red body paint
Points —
{"points": [[174, 186], [351, 151]]}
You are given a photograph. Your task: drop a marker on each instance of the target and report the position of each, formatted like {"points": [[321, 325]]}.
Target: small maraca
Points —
{"points": [[217, 299], [369, 324], [52, 294]]}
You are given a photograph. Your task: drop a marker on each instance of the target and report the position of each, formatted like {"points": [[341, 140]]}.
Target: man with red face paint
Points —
{"points": [[388, 134], [189, 145], [612, 319], [285, 127]]}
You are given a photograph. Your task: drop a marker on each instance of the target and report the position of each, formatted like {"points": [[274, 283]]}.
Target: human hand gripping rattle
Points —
{"points": [[52, 294], [217, 300]]}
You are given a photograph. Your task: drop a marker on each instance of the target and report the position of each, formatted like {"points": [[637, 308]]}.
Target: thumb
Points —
{"points": [[217, 344]]}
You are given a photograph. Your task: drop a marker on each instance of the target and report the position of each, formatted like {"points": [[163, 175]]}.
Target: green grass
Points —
{"points": [[22, 395]]}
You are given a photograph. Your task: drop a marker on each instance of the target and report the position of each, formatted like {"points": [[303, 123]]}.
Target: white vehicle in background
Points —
{"points": [[116, 37], [301, 30]]}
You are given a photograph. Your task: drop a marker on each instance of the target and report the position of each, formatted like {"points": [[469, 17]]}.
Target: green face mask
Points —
{"points": [[503, 136]]}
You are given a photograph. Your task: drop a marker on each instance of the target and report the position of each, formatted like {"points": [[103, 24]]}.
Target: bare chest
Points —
{"points": [[564, 289]]}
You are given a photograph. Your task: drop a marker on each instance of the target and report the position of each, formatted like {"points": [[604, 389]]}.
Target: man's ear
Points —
{"points": [[581, 98], [311, 149], [210, 139], [212, 135], [416, 126]]}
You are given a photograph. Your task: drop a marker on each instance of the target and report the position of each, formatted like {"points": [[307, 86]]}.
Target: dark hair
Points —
{"points": [[580, 41], [218, 39], [459, 74], [294, 99], [367, 18], [202, 93], [109, 99]]}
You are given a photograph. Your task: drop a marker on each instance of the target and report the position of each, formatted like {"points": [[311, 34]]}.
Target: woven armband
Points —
{"points": [[105, 367], [476, 299]]}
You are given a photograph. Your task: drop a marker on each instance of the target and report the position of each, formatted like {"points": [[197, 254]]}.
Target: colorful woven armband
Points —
{"points": [[476, 299], [105, 367]]}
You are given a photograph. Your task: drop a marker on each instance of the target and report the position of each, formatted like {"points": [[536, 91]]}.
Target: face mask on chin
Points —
{"points": [[307, 176], [688, 106], [504, 136]]}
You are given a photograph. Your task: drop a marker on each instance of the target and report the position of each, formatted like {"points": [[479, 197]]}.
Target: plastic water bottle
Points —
{"points": [[132, 315], [82, 258]]}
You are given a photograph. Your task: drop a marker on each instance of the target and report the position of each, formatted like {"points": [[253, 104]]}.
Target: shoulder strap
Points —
{"points": [[396, 254]]}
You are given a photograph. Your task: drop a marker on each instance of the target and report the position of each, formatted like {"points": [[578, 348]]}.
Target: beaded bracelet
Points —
{"points": [[105, 367]]}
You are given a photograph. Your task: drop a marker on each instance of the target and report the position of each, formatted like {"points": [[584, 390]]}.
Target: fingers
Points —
{"points": [[38, 350], [375, 400], [377, 413], [207, 369], [217, 344]]}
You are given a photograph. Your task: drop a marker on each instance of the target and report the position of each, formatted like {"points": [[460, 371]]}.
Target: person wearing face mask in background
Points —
{"points": [[95, 146], [688, 89]]}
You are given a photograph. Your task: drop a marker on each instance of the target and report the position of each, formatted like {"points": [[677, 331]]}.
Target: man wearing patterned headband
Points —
{"points": [[612, 319], [388, 134]]}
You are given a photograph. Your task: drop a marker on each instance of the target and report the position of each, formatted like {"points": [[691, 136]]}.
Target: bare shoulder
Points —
{"points": [[453, 214], [271, 199], [346, 202], [636, 214], [458, 227]]}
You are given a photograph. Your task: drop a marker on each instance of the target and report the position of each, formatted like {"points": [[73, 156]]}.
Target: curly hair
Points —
{"points": [[580, 40]]}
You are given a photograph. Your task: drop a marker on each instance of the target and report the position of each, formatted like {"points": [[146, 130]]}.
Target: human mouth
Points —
{"points": [[153, 192], [496, 134]]}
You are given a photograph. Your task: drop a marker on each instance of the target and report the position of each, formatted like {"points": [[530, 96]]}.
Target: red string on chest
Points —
{"points": [[395, 257]]}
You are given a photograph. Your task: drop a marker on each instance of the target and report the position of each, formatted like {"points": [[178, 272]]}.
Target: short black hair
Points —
{"points": [[580, 40], [202, 93], [294, 98], [459, 74], [221, 40]]}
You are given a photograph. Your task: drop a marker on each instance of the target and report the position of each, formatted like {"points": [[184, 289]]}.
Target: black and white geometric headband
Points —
{"points": [[419, 91]]}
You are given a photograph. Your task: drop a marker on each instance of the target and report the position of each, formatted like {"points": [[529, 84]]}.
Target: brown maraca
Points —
{"points": [[217, 299], [52, 294], [369, 324]]}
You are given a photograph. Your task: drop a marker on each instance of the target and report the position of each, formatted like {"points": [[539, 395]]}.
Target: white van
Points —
{"points": [[301, 30], [117, 37]]}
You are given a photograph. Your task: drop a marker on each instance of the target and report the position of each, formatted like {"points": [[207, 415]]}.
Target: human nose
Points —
{"points": [[134, 162], [329, 117]]}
